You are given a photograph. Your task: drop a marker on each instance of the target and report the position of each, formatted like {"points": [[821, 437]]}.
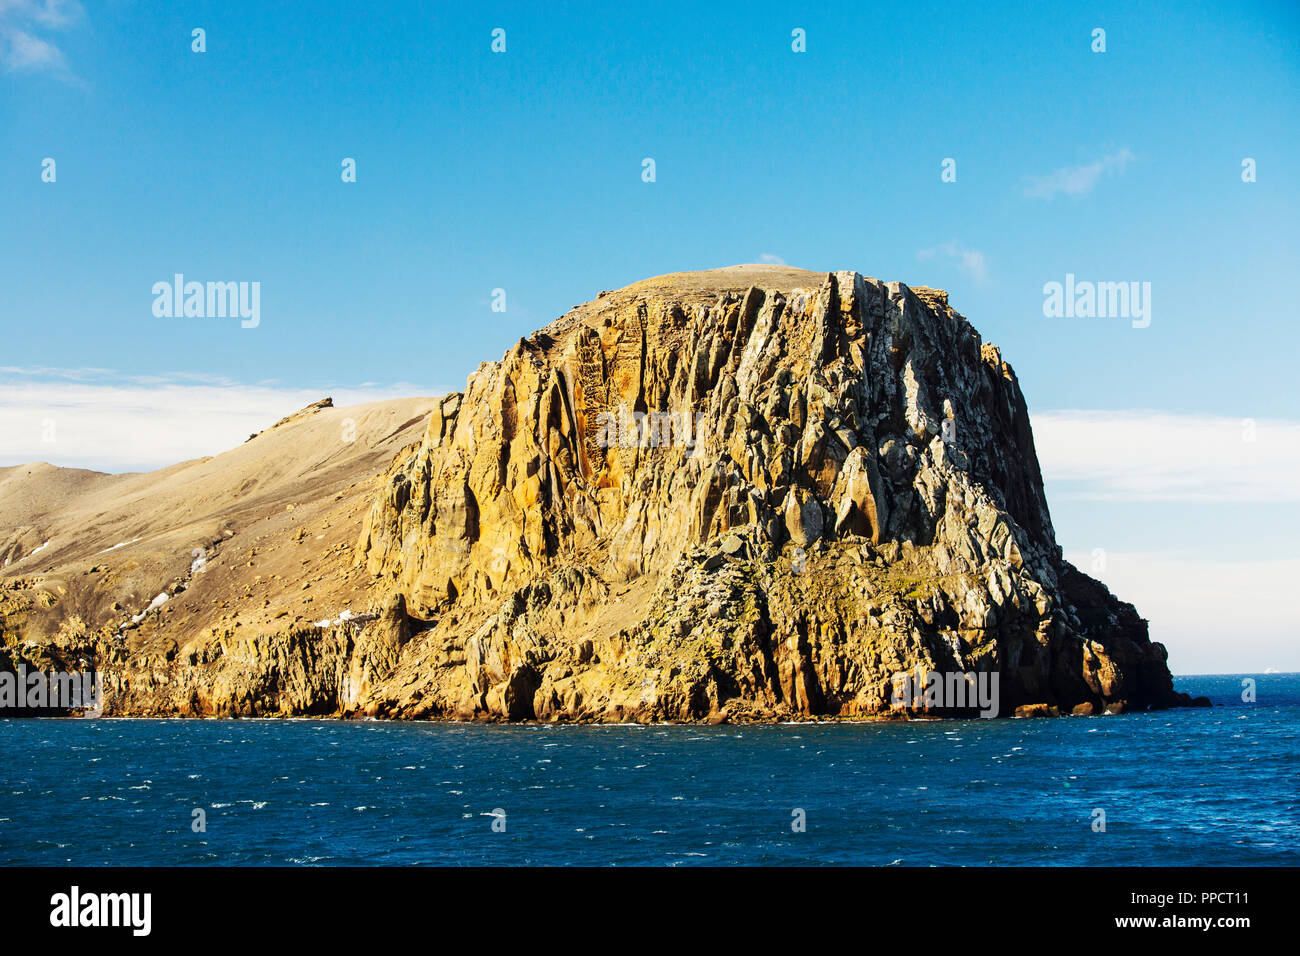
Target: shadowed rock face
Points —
{"points": [[751, 492]]}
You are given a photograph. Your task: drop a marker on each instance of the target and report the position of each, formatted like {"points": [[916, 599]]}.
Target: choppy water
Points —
{"points": [[1187, 787]]}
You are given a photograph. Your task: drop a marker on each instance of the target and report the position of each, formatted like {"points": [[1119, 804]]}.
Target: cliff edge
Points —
{"points": [[748, 493]]}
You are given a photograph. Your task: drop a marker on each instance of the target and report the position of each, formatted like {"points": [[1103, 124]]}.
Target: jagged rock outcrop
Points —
{"points": [[740, 494], [753, 493]]}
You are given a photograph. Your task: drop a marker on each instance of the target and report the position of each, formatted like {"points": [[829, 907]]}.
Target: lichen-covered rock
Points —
{"points": [[747, 494], [758, 491]]}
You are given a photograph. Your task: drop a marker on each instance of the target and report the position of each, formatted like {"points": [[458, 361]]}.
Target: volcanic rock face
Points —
{"points": [[746, 493], [750, 493]]}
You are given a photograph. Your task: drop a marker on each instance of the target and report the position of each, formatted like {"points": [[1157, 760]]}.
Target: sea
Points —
{"points": [[1197, 787]]}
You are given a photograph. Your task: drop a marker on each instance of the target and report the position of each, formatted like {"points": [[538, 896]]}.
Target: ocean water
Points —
{"points": [[1185, 787]]}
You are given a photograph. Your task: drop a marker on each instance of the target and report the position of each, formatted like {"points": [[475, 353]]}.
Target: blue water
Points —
{"points": [[1186, 787]]}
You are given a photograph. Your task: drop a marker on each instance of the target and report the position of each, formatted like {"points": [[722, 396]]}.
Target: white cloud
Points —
{"points": [[53, 14], [1160, 456], [24, 52], [771, 259], [146, 422], [1212, 616], [21, 50], [1077, 180], [969, 261]]}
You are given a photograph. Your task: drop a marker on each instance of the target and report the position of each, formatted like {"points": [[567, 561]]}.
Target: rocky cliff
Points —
{"points": [[750, 493]]}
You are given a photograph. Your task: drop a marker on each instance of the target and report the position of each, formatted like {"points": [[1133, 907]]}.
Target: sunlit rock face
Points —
{"points": [[749, 493], [753, 493]]}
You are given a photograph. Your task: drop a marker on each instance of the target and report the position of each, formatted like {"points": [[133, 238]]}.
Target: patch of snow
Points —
{"points": [[157, 602], [120, 544], [346, 616]]}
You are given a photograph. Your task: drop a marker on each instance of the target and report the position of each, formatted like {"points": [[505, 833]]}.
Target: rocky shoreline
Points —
{"points": [[748, 495]]}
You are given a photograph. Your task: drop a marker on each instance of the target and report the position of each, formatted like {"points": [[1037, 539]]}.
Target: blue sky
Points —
{"points": [[522, 171]]}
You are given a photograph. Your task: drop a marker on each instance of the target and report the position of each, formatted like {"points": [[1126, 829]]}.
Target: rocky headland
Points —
{"points": [[746, 494]]}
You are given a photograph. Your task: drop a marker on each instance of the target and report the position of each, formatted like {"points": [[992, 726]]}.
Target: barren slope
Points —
{"points": [[251, 539]]}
